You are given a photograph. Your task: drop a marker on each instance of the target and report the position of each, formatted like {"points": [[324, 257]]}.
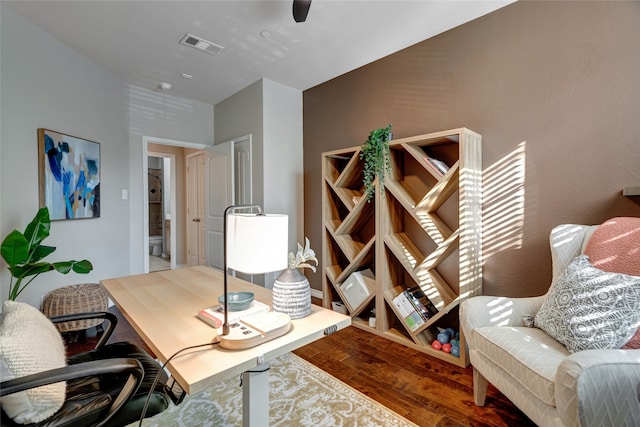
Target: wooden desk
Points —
{"points": [[162, 308]]}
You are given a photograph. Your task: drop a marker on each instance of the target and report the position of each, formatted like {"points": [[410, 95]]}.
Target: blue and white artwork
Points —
{"points": [[69, 176]]}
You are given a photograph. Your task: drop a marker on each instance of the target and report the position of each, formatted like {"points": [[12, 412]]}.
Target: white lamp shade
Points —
{"points": [[257, 243]]}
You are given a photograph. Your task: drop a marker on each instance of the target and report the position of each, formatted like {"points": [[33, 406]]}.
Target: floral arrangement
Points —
{"points": [[302, 258]]}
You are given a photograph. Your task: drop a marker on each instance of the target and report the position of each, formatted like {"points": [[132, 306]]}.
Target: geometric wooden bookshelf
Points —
{"points": [[424, 230], [349, 231]]}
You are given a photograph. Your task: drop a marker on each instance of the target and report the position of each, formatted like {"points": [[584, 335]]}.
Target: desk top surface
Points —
{"points": [[162, 308]]}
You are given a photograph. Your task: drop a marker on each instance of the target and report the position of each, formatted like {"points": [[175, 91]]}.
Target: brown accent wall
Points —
{"points": [[553, 88]]}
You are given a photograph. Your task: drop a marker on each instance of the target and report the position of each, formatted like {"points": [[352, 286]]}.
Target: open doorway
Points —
{"points": [[174, 230], [161, 208]]}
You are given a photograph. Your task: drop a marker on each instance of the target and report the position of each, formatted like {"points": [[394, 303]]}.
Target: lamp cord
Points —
{"points": [[157, 378]]}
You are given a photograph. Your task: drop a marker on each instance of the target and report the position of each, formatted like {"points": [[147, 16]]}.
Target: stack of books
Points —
{"points": [[408, 311], [421, 302], [414, 307]]}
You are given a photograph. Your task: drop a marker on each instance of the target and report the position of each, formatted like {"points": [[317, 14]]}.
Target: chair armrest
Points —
{"points": [[480, 311], [112, 318], [72, 372], [599, 387], [132, 367]]}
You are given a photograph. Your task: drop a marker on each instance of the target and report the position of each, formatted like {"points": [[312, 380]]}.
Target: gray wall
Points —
{"points": [[272, 114], [240, 115], [46, 84], [282, 180], [553, 88]]}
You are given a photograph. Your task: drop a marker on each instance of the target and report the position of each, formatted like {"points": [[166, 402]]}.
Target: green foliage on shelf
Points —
{"points": [[23, 254], [376, 156]]}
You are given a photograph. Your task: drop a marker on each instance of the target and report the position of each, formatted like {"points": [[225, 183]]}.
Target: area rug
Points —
{"points": [[300, 395]]}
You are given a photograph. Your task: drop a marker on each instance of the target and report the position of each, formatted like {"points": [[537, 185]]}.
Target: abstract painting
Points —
{"points": [[69, 175]]}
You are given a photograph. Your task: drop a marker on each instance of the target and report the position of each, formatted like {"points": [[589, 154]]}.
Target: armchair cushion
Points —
{"points": [[30, 343], [587, 308], [527, 354]]}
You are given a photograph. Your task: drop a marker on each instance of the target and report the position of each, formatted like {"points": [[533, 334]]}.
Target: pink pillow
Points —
{"points": [[615, 247]]}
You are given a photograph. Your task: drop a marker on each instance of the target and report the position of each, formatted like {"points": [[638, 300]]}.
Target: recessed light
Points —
{"points": [[187, 76], [265, 33], [165, 86]]}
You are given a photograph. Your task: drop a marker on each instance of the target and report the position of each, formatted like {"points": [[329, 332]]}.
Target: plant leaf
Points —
{"points": [[20, 271], [15, 249], [38, 228], [63, 266], [41, 252], [305, 265], [82, 267]]}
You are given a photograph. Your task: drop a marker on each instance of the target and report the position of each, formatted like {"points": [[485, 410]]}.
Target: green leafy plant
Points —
{"points": [[376, 156], [23, 253], [302, 257]]}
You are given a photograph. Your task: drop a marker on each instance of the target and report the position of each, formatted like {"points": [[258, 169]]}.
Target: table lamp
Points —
{"points": [[254, 243]]}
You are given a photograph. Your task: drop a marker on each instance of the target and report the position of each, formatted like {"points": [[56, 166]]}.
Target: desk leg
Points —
{"points": [[255, 397]]}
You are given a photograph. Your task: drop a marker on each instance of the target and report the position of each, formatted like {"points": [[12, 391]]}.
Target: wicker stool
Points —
{"points": [[80, 298]]}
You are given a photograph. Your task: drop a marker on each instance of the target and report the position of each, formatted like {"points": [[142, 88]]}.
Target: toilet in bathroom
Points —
{"points": [[155, 245]]}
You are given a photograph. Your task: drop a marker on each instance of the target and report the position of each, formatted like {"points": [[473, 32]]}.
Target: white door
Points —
{"points": [[218, 190], [228, 181], [195, 209]]}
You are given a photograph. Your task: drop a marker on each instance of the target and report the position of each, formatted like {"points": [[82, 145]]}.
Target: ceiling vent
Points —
{"points": [[201, 44]]}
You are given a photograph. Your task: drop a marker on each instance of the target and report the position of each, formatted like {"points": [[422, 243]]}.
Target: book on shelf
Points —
{"points": [[417, 305], [407, 311], [438, 165], [423, 304], [214, 316]]}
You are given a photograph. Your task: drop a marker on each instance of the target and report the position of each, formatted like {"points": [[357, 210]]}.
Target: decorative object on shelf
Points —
{"points": [[448, 340], [376, 156], [358, 286], [69, 175], [291, 290], [23, 254]]}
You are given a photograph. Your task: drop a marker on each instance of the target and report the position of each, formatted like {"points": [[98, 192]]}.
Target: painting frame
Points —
{"points": [[69, 175]]}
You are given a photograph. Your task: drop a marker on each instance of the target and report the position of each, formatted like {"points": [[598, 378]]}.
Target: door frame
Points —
{"points": [[146, 140]]}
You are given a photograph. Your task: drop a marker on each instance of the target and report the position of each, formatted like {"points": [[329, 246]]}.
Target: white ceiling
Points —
{"points": [[139, 40]]}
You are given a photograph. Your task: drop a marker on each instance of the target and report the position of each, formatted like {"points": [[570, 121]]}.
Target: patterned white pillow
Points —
{"points": [[30, 343], [587, 308]]}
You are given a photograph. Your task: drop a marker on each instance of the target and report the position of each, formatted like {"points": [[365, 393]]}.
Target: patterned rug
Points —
{"points": [[300, 395]]}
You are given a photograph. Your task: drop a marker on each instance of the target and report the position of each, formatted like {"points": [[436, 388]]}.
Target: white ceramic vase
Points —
{"points": [[292, 294]]}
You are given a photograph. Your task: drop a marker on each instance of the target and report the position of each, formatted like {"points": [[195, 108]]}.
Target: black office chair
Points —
{"points": [[106, 386]]}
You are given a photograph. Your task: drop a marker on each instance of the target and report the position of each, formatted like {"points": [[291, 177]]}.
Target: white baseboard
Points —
{"points": [[316, 294]]}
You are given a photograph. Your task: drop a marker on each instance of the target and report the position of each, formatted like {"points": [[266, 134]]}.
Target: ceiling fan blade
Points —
{"points": [[301, 9]]}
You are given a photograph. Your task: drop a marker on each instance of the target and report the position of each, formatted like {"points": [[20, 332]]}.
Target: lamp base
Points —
{"points": [[254, 330]]}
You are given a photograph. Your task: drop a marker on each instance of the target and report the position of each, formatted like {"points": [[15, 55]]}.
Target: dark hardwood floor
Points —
{"points": [[422, 389]]}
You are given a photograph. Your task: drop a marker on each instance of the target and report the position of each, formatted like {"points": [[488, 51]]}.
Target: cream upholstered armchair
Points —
{"points": [[588, 372]]}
